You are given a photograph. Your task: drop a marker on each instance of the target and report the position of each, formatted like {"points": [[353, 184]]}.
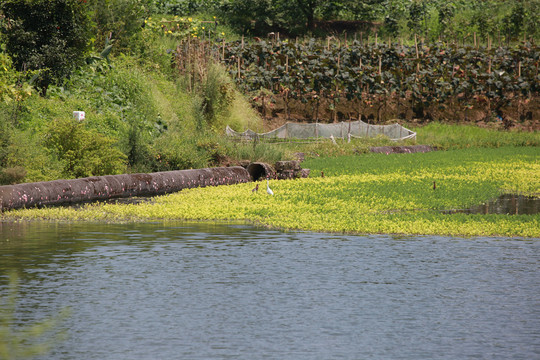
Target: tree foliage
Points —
{"points": [[46, 35], [434, 19]]}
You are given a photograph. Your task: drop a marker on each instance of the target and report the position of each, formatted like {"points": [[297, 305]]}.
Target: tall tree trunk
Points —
{"points": [[308, 9]]}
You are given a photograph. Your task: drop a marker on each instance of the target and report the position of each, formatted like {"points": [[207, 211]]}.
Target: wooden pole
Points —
{"points": [[223, 51], [416, 46]]}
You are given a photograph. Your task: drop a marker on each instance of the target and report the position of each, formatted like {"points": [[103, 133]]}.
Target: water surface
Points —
{"points": [[507, 204], [200, 291]]}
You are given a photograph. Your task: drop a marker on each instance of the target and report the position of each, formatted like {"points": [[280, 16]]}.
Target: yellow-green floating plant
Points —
{"points": [[373, 193]]}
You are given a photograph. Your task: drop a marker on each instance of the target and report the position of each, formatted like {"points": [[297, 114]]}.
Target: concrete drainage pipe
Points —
{"points": [[62, 192]]}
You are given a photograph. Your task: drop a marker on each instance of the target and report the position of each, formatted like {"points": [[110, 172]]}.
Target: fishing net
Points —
{"points": [[356, 129]]}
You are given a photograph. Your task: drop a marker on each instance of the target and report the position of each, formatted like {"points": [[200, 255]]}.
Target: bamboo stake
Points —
{"points": [[416, 45], [223, 51], [519, 69], [376, 34], [417, 55]]}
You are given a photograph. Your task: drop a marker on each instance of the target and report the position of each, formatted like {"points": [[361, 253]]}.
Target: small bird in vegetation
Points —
{"points": [[434, 185], [268, 190], [255, 189], [322, 173]]}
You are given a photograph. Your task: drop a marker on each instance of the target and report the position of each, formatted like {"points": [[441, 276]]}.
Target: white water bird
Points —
{"points": [[268, 190]]}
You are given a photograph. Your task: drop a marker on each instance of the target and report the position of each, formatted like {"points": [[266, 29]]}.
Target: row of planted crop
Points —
{"points": [[428, 73]]}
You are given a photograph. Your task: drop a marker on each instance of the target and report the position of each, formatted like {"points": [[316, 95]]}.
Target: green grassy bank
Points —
{"points": [[372, 193]]}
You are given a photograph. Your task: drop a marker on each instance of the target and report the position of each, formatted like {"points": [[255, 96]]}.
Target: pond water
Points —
{"points": [[206, 291], [508, 204]]}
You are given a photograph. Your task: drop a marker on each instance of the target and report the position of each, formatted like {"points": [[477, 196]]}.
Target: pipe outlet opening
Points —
{"points": [[259, 171]]}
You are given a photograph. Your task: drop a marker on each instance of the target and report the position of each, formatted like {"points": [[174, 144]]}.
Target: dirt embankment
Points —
{"points": [[520, 114]]}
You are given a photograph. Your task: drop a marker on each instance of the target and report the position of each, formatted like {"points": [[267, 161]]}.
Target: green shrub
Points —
{"points": [[84, 152], [12, 175], [23, 157], [264, 152], [121, 19], [12, 86], [174, 152]]}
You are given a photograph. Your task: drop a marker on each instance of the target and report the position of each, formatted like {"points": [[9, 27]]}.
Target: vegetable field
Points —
{"points": [[341, 79]]}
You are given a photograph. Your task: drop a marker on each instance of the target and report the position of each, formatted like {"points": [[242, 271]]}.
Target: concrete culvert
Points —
{"points": [[259, 171]]}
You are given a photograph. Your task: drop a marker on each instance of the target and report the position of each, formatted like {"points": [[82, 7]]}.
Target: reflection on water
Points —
{"points": [[207, 291], [507, 204]]}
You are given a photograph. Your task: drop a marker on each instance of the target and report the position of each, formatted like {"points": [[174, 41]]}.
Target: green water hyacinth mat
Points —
{"points": [[373, 193]]}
